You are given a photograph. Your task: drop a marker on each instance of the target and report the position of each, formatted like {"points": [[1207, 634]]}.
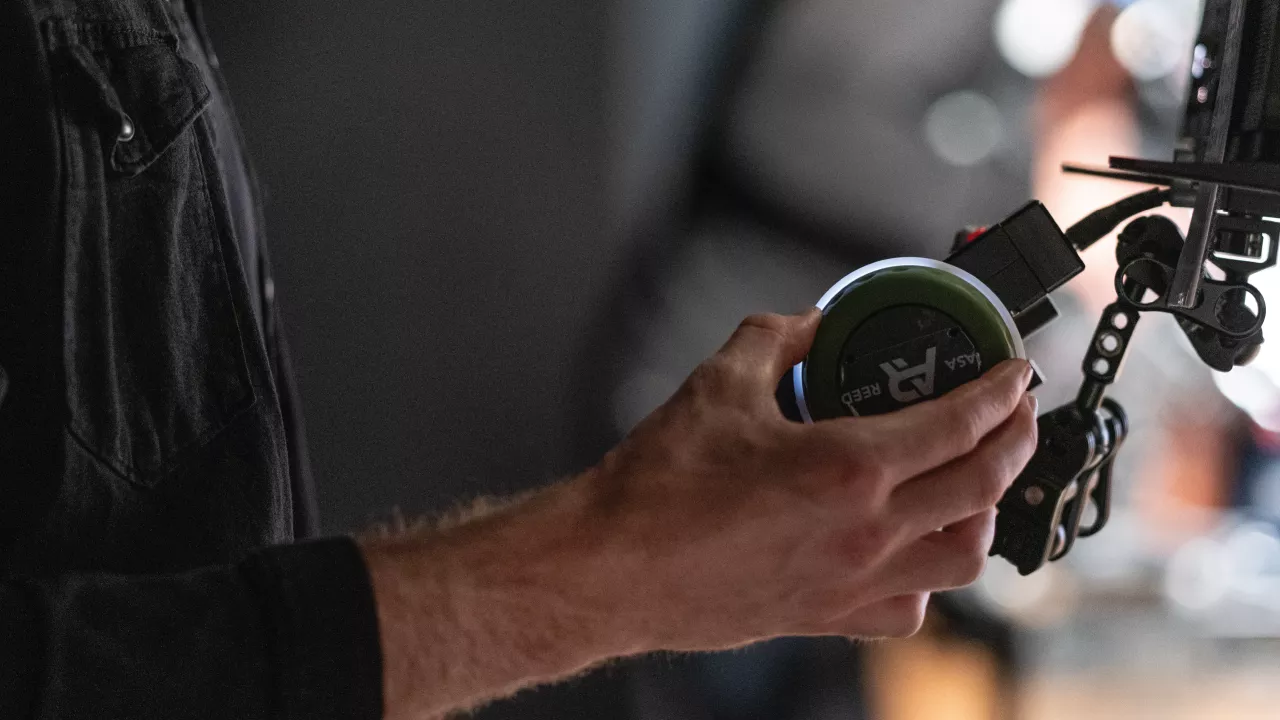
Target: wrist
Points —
{"points": [[532, 593], [559, 561]]}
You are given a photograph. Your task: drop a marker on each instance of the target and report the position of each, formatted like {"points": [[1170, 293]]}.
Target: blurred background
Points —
{"points": [[503, 233]]}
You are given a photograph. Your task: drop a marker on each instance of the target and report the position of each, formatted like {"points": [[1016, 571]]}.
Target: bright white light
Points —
{"points": [[1199, 61], [1252, 550], [1012, 592], [1039, 37], [963, 127], [1151, 38], [1196, 577], [1252, 390], [1042, 599]]}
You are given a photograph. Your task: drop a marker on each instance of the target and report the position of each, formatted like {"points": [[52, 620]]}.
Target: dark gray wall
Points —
{"points": [[435, 182], [669, 57]]}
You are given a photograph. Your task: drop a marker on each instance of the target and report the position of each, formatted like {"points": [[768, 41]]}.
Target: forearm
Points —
{"points": [[527, 595], [716, 523]]}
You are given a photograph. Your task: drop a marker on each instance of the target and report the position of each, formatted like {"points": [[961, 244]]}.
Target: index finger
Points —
{"points": [[765, 346], [917, 439]]}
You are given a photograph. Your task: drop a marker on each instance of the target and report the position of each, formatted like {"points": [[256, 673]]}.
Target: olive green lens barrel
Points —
{"points": [[906, 330]]}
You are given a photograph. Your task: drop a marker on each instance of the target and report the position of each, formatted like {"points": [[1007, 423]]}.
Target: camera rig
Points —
{"points": [[1226, 167], [906, 329]]}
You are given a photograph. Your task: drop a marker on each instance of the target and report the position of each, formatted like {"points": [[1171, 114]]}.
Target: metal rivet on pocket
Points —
{"points": [[127, 130]]}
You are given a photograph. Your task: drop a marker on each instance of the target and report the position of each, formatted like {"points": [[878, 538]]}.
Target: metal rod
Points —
{"points": [[1185, 287], [1117, 174], [1262, 177]]}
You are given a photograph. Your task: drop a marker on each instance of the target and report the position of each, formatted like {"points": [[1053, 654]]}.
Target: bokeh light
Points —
{"points": [[1039, 37], [964, 127], [1149, 37]]}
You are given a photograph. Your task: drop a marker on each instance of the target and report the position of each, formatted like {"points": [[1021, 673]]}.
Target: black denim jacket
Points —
{"points": [[149, 447]]}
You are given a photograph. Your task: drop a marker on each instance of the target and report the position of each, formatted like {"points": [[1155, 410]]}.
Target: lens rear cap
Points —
{"points": [[899, 332]]}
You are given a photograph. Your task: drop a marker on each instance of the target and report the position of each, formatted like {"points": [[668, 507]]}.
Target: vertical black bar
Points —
{"points": [[1186, 279]]}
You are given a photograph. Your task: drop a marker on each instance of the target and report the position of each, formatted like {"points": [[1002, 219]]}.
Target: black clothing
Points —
{"points": [[149, 443]]}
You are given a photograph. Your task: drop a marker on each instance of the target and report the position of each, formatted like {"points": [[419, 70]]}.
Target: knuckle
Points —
{"points": [[993, 478], [712, 378], [864, 464], [971, 566], [993, 470], [913, 626], [911, 612], [769, 322], [880, 538], [854, 462], [998, 463], [867, 545], [966, 428], [865, 471], [767, 331]]}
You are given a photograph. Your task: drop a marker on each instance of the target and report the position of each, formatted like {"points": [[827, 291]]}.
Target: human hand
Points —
{"points": [[726, 523]]}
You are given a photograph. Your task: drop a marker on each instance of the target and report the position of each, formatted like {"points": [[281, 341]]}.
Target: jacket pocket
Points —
{"points": [[154, 341]]}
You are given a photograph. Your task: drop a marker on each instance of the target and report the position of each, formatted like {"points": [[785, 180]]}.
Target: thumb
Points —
{"points": [[766, 346]]}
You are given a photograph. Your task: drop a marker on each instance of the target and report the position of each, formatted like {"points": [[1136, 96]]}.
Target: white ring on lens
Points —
{"points": [[797, 372]]}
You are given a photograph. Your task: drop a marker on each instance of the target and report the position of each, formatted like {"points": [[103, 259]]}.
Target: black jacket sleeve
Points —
{"points": [[291, 632]]}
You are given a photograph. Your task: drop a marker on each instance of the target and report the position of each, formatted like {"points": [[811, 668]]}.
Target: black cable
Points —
{"points": [[1100, 223]]}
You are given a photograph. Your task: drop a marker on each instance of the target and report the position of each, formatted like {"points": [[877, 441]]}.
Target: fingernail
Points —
{"points": [[1027, 372], [1034, 403], [1016, 367]]}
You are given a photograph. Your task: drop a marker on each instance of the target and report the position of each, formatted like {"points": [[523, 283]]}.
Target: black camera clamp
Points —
{"points": [[1227, 168]]}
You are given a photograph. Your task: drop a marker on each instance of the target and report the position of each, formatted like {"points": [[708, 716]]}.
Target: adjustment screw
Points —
{"points": [[127, 130], [1034, 495]]}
